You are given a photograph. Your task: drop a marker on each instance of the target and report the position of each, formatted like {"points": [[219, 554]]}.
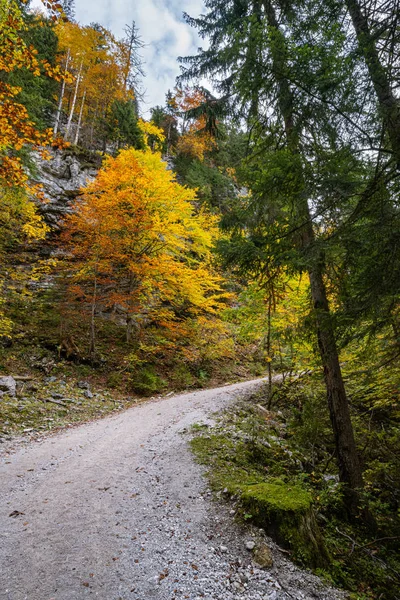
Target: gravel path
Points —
{"points": [[118, 510]]}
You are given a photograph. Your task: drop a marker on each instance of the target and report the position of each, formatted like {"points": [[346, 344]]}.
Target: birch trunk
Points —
{"points": [[76, 140], [71, 114], [59, 108]]}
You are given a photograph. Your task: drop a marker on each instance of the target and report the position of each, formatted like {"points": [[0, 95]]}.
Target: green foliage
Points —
{"points": [[122, 125], [38, 92], [182, 378], [146, 381]]}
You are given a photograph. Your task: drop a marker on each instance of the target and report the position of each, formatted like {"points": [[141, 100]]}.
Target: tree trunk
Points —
{"points": [[59, 108], [130, 323], [78, 128], [71, 114], [388, 103], [348, 461], [347, 456], [92, 349], [269, 331]]}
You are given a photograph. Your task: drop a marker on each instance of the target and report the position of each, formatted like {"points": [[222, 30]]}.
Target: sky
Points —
{"points": [[162, 29]]}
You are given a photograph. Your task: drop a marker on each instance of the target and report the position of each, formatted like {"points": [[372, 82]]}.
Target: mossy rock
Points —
{"points": [[285, 512]]}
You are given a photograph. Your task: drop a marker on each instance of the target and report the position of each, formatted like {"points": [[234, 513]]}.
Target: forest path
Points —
{"points": [[117, 509]]}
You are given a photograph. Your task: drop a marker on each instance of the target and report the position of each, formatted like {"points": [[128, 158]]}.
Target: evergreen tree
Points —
{"points": [[123, 125], [300, 152], [37, 93]]}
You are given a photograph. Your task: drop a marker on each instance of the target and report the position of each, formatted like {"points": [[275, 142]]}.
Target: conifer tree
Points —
{"points": [[250, 45]]}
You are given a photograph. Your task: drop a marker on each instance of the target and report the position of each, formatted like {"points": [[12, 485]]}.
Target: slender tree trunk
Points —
{"points": [[129, 319], [71, 114], [78, 128], [59, 108], [92, 349], [347, 455], [346, 450], [269, 330], [388, 103]]}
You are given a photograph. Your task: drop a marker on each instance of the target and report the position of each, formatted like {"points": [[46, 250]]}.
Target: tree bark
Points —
{"points": [[71, 114], [59, 108], [388, 103], [269, 331], [92, 349], [347, 455], [78, 128]]}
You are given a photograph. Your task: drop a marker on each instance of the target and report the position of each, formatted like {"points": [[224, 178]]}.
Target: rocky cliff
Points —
{"points": [[62, 179]]}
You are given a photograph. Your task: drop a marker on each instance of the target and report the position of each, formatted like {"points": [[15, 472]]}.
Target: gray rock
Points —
{"points": [[57, 396], [83, 385], [263, 556], [62, 179], [88, 394], [250, 545], [272, 596], [8, 386]]}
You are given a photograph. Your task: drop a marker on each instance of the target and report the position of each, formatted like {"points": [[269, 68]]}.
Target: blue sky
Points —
{"points": [[162, 29]]}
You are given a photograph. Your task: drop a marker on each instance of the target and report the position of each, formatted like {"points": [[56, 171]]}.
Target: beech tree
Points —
{"points": [[137, 244]]}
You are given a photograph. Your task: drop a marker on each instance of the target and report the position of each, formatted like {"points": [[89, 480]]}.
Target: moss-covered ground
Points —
{"points": [[279, 468]]}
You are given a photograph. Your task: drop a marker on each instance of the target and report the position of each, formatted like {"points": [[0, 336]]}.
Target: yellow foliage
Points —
{"points": [[19, 218], [149, 129], [135, 232]]}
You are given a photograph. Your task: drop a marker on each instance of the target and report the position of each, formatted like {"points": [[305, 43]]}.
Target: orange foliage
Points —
{"points": [[194, 141], [97, 63], [137, 244], [16, 128]]}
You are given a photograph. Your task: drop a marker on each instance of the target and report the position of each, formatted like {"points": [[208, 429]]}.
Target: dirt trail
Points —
{"points": [[118, 510]]}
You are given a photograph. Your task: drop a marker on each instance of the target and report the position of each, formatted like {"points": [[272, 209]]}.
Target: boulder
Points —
{"points": [[285, 512], [8, 386], [263, 556]]}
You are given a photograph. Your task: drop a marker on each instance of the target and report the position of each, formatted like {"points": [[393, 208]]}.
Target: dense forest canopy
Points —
{"points": [[252, 227]]}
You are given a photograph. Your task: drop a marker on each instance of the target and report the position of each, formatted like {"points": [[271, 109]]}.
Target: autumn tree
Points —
{"points": [[98, 104], [21, 67], [137, 245], [195, 140], [17, 129]]}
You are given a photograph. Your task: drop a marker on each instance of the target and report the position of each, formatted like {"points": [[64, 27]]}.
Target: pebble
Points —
{"points": [[250, 545]]}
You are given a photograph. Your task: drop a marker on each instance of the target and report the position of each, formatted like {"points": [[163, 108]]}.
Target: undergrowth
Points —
{"points": [[253, 454]]}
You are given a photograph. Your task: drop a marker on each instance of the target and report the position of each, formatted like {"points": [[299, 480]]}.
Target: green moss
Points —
{"points": [[283, 509], [278, 497]]}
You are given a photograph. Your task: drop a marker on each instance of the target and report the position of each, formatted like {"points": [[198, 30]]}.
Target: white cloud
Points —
{"points": [[162, 28]]}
